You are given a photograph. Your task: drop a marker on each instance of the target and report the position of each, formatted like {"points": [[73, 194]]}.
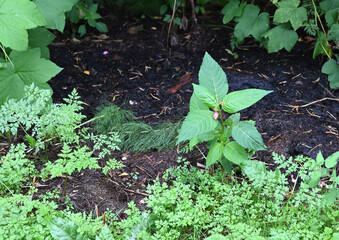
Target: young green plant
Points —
{"points": [[229, 139]]}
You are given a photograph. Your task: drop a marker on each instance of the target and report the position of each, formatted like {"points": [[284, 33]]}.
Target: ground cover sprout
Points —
{"points": [[230, 140]]}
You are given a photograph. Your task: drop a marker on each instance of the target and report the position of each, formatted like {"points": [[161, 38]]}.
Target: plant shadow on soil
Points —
{"points": [[143, 72]]}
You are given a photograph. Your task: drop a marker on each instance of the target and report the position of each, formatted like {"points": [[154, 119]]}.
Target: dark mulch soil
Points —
{"points": [[142, 73]]}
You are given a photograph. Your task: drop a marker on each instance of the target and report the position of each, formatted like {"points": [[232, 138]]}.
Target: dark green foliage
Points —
{"points": [[135, 135]]}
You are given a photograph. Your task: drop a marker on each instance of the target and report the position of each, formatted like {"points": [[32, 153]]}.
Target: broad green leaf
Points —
{"points": [[235, 153], [193, 141], [227, 165], [320, 159], [28, 68], [197, 104], [231, 10], [331, 68], [288, 11], [321, 46], [54, 11], [281, 37], [207, 136], [331, 8], [40, 37], [196, 123], [331, 196], [214, 154], [205, 96], [332, 160], [63, 229], [314, 178], [239, 100], [212, 77], [233, 119], [251, 23], [16, 16], [333, 34], [253, 169], [247, 136]]}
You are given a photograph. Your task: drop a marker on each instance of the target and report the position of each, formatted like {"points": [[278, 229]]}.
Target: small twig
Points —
{"points": [[172, 19], [308, 104], [131, 191]]}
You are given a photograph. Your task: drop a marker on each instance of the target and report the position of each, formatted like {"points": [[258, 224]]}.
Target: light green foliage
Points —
{"points": [[281, 37], [213, 78], [289, 11], [331, 68], [202, 124], [105, 143], [15, 170], [28, 67], [197, 205], [70, 160], [40, 119], [16, 16], [251, 23], [64, 229], [112, 164], [54, 12]]}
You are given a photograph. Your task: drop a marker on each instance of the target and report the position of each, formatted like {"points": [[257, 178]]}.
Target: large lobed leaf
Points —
{"points": [[54, 12], [247, 136], [331, 8], [239, 100], [212, 77], [289, 11], [332, 69], [251, 23], [196, 123], [281, 37], [40, 37], [28, 68], [16, 16], [231, 10]]}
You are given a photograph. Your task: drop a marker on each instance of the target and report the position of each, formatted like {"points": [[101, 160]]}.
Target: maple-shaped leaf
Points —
{"points": [[333, 34], [331, 9], [27, 68], [231, 10], [16, 16], [288, 11], [281, 37], [54, 12], [251, 23], [40, 37], [331, 68]]}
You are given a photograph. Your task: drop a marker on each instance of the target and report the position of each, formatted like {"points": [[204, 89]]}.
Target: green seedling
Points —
{"points": [[229, 139]]}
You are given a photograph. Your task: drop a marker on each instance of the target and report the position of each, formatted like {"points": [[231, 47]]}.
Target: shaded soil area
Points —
{"points": [[153, 80]]}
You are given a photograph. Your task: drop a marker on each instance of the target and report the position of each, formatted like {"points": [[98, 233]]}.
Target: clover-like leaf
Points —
{"points": [[54, 12], [288, 11], [331, 68], [212, 77], [28, 68], [239, 100], [281, 37], [16, 16], [196, 123], [251, 23], [247, 136]]}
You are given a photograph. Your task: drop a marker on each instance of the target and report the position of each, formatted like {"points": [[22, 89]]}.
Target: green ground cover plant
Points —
{"points": [[229, 139], [192, 204]]}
